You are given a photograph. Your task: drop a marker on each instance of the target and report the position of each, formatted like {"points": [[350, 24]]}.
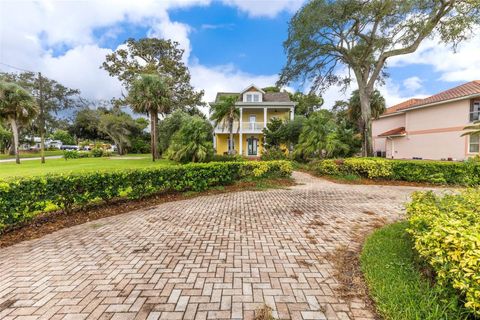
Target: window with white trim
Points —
{"points": [[474, 144], [475, 111], [252, 97]]}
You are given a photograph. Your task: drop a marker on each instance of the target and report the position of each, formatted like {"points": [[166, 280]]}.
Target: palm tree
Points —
{"points": [[150, 93], [225, 112], [474, 129], [17, 106]]}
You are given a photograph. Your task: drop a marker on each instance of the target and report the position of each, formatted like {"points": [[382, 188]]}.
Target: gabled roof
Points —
{"points": [[466, 90], [267, 96], [252, 86], [394, 132]]}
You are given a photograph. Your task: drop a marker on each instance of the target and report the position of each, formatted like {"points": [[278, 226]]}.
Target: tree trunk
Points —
{"points": [[367, 148], [230, 145], [13, 123], [157, 149], [152, 135]]}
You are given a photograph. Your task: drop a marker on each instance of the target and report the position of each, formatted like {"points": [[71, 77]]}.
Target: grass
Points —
{"points": [[25, 155], [33, 167], [398, 287]]}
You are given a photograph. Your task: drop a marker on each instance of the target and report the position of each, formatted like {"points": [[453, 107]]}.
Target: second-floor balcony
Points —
{"points": [[247, 127]]}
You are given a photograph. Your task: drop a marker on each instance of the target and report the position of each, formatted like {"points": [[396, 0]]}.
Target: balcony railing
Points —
{"points": [[250, 127], [247, 127]]}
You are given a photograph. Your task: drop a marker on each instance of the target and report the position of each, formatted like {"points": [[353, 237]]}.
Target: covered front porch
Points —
{"points": [[251, 146]]}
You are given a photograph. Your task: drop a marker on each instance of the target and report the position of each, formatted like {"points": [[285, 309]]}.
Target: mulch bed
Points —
{"points": [[50, 222]]}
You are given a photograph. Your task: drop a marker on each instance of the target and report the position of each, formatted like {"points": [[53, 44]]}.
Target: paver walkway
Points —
{"points": [[212, 257]]}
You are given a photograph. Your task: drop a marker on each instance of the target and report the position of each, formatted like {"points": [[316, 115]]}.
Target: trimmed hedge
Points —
{"points": [[436, 172], [446, 233], [23, 198]]}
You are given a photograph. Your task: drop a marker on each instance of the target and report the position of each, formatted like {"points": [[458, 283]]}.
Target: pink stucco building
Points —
{"points": [[430, 128]]}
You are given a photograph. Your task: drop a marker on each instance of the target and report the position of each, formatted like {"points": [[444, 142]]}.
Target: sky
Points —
{"points": [[229, 44]]}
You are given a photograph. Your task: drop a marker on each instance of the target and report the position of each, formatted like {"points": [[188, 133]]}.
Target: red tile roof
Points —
{"points": [[402, 105], [464, 90], [393, 132]]}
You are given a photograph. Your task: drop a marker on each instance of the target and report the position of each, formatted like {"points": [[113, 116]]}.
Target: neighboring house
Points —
{"points": [[256, 108], [430, 128], [49, 144]]}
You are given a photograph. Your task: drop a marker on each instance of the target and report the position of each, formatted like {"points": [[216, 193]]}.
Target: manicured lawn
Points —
{"points": [[398, 288], [32, 154], [33, 167]]}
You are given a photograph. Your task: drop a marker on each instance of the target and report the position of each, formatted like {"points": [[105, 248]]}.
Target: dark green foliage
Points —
{"points": [[193, 142], [63, 136], [227, 158], [273, 153], [23, 198], [306, 103], [273, 133], [71, 154], [168, 126], [323, 136], [435, 172]]}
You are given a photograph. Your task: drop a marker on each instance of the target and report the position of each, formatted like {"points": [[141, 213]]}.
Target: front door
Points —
{"points": [[252, 146]]}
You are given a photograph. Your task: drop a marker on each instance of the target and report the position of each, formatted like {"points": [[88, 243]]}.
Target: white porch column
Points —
{"points": [[264, 117], [240, 137], [292, 112], [214, 141]]}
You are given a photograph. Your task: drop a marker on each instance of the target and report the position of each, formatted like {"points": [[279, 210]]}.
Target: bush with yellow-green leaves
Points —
{"points": [[23, 198], [434, 172], [446, 233]]}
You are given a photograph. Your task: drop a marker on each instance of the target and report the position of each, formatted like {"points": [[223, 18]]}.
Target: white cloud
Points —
{"points": [[462, 65], [265, 8], [412, 84], [79, 68], [225, 78]]}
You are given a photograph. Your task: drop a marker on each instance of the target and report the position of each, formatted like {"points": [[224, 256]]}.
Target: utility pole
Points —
{"points": [[41, 117]]}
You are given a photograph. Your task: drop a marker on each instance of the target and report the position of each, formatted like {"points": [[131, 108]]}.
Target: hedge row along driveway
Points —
{"points": [[435, 172], [23, 198]]}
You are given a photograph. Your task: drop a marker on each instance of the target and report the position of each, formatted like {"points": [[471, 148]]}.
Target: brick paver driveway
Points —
{"points": [[212, 257]]}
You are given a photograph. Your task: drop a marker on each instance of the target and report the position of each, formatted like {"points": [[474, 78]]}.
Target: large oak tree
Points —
{"points": [[155, 56], [337, 42]]}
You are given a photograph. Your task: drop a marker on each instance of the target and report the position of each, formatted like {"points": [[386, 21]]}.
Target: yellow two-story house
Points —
{"points": [[256, 109]]}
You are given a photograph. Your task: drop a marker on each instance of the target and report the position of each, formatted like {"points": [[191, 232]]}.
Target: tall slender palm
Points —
{"points": [[225, 112], [17, 106], [150, 93]]}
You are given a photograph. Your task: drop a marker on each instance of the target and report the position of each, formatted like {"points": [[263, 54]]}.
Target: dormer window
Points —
{"points": [[252, 97]]}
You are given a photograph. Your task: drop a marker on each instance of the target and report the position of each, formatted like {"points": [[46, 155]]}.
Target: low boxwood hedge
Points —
{"points": [[23, 198], [446, 233], [435, 172]]}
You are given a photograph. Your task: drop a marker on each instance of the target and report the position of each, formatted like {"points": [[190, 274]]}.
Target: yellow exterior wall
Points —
{"points": [[222, 146], [257, 112], [281, 113], [222, 143]]}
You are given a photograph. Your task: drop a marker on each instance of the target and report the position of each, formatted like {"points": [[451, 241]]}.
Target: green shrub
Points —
{"points": [[325, 167], [227, 158], [273, 153], [446, 233], [71, 154], [97, 152], [370, 168], [435, 172], [22, 198]]}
